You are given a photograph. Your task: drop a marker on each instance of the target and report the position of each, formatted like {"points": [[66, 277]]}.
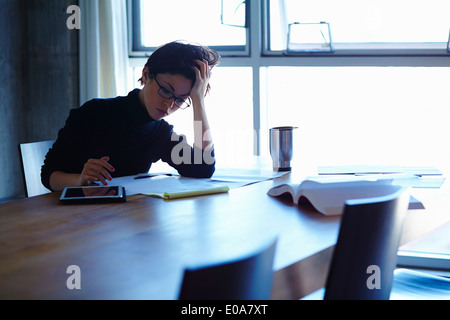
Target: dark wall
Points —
{"points": [[39, 79]]}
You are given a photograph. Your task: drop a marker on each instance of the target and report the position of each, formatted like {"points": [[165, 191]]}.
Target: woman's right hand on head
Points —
{"points": [[96, 170]]}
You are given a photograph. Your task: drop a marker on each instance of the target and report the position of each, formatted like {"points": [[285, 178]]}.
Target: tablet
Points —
{"points": [[93, 194]]}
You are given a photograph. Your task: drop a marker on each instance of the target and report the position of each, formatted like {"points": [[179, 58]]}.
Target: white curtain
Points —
{"points": [[103, 49]]}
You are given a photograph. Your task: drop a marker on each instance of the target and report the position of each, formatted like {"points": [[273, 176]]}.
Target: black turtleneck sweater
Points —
{"points": [[122, 129]]}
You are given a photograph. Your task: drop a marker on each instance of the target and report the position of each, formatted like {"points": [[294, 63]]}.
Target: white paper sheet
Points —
{"points": [[160, 183]]}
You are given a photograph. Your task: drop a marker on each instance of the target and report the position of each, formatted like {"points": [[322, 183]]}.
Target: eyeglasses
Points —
{"points": [[166, 94]]}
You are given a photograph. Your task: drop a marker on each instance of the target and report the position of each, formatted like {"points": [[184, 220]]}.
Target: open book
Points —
{"points": [[328, 197]]}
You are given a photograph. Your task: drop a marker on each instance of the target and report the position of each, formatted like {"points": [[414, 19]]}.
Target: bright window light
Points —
{"points": [[196, 21], [365, 22], [363, 115]]}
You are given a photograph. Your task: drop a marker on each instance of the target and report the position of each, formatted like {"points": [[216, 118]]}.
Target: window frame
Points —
{"points": [[356, 49], [136, 49]]}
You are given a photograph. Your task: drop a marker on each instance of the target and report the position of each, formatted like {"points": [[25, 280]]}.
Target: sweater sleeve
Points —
{"points": [[64, 155], [188, 161]]}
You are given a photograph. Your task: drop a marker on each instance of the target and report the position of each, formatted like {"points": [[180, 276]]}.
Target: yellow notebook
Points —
{"points": [[188, 193]]}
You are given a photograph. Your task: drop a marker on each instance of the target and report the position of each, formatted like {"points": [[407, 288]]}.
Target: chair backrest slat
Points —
{"points": [[248, 278], [365, 255], [32, 157]]}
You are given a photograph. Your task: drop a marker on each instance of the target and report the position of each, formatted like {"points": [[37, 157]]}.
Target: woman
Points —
{"points": [[107, 138]]}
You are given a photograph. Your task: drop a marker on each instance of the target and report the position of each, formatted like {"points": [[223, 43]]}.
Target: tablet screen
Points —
{"points": [[100, 192]]}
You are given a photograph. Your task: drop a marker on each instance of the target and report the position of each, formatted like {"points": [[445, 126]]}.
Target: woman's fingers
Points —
{"points": [[203, 68], [97, 174], [97, 170], [100, 173], [106, 164], [202, 77]]}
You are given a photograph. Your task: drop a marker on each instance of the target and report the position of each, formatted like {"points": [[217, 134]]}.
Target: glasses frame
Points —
{"points": [[166, 94]]}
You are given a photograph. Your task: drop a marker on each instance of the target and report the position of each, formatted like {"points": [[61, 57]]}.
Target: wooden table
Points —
{"points": [[138, 249]]}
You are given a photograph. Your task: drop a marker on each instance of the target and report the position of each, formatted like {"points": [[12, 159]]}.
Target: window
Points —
{"points": [[382, 87], [229, 114], [366, 27], [219, 24], [354, 115]]}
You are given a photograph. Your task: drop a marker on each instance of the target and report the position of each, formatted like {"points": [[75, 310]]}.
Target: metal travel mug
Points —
{"points": [[281, 148]]}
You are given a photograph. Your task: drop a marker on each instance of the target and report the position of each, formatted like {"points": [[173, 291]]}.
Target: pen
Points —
{"points": [[143, 176]]}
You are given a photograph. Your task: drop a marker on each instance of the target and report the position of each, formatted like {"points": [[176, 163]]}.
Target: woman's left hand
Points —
{"points": [[202, 74]]}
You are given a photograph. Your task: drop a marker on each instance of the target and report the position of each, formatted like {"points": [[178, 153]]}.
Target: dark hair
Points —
{"points": [[178, 58]]}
